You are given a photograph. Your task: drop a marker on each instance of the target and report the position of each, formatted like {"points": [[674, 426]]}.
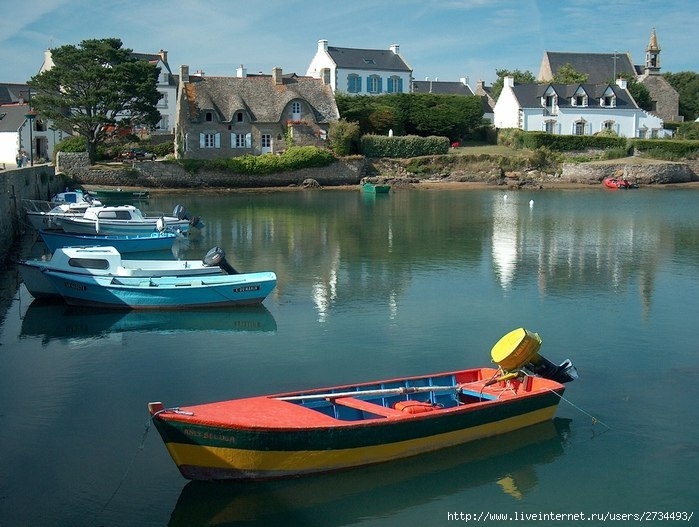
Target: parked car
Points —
{"points": [[138, 154]]}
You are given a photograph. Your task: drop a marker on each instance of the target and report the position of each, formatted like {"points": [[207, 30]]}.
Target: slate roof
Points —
{"points": [[442, 87], [257, 95], [367, 59], [529, 95], [599, 66], [12, 92], [12, 117]]}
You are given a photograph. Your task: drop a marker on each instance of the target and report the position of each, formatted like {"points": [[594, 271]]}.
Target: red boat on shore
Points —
{"points": [[617, 183], [323, 430]]}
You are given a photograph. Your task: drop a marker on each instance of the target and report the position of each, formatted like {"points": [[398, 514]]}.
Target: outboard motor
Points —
{"points": [[519, 350], [180, 213], [216, 257]]}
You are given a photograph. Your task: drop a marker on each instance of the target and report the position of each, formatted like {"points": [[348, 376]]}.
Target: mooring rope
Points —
{"points": [[594, 419], [140, 448]]}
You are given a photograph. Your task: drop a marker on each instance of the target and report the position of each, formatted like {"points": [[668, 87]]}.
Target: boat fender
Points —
{"points": [[415, 407], [217, 257]]}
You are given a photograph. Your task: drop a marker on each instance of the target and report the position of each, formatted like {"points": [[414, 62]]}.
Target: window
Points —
{"points": [[395, 84], [550, 127], [325, 75], [162, 103], [209, 117], [579, 100], [608, 100], [296, 111], [241, 140], [373, 84], [579, 128], [208, 140], [239, 117], [354, 83], [608, 125], [369, 61], [266, 141]]}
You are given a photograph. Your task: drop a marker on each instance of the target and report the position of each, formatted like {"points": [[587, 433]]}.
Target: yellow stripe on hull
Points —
{"points": [[257, 463]]}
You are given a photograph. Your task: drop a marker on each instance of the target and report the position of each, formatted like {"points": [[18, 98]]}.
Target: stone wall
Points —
{"points": [[160, 174], [36, 183]]}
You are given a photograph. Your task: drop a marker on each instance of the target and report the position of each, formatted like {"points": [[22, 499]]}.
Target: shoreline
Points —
{"points": [[424, 185]]}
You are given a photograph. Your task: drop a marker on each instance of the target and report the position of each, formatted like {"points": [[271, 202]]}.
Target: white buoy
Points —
{"points": [[505, 196], [531, 202]]}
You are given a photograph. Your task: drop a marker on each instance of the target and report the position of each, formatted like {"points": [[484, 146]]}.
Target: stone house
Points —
{"points": [[361, 71], [222, 117], [574, 109]]}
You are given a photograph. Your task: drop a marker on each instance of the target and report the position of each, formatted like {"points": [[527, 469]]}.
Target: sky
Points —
{"points": [[444, 40]]}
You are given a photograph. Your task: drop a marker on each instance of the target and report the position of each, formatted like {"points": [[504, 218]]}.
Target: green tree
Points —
{"points": [[343, 137], [686, 83], [640, 94], [521, 77], [95, 86], [566, 74]]}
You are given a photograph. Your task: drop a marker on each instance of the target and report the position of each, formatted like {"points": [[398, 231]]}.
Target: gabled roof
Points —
{"points": [[600, 67], [258, 96], [442, 87], [529, 95], [12, 116], [367, 59]]}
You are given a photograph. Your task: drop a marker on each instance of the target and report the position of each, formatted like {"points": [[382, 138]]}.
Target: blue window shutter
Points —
{"points": [[380, 84], [233, 140], [359, 84], [368, 84], [400, 84], [217, 140], [202, 140], [248, 140]]}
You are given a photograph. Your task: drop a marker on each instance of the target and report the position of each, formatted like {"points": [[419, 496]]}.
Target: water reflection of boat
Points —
{"points": [[509, 460], [54, 320]]}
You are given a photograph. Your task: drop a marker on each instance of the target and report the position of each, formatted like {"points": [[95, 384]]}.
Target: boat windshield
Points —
{"points": [[89, 263]]}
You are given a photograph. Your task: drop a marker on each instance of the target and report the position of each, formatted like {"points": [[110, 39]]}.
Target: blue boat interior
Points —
{"points": [[436, 392]]}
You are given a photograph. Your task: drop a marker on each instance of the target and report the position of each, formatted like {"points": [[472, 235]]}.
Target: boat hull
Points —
{"points": [[155, 241], [165, 292], [375, 189], [120, 227], [263, 437]]}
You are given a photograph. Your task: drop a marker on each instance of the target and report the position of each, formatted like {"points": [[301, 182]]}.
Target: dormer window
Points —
{"points": [[209, 117], [579, 100], [608, 100], [239, 117], [549, 101], [369, 61]]}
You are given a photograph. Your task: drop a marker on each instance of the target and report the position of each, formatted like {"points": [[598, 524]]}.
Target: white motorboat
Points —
{"points": [[42, 214], [107, 261], [126, 219]]}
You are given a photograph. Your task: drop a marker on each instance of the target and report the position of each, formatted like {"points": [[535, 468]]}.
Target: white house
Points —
{"points": [[167, 86], [361, 71], [574, 109], [15, 135]]}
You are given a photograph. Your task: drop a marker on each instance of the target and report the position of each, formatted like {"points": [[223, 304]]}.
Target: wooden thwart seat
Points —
{"points": [[366, 406]]}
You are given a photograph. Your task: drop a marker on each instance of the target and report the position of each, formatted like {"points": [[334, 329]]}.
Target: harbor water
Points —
{"points": [[373, 287]]}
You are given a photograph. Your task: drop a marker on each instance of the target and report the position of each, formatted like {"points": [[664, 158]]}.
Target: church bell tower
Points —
{"points": [[653, 55]]}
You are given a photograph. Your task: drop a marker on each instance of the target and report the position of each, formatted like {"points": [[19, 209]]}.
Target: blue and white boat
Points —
{"points": [[107, 261], [125, 244], [167, 292], [126, 220]]}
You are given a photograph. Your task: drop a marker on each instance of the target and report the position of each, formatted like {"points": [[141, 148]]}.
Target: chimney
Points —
{"points": [[277, 76], [395, 48], [621, 83], [241, 71], [184, 73], [464, 81], [509, 81], [480, 85], [322, 45], [163, 55]]}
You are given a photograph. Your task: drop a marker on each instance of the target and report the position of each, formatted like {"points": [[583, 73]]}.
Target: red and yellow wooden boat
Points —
{"points": [[323, 430]]}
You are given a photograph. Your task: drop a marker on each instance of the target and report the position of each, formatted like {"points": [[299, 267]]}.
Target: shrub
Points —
{"points": [[75, 143], [403, 146]]}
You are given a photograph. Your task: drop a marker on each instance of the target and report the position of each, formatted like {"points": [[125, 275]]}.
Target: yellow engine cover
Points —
{"points": [[516, 349]]}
